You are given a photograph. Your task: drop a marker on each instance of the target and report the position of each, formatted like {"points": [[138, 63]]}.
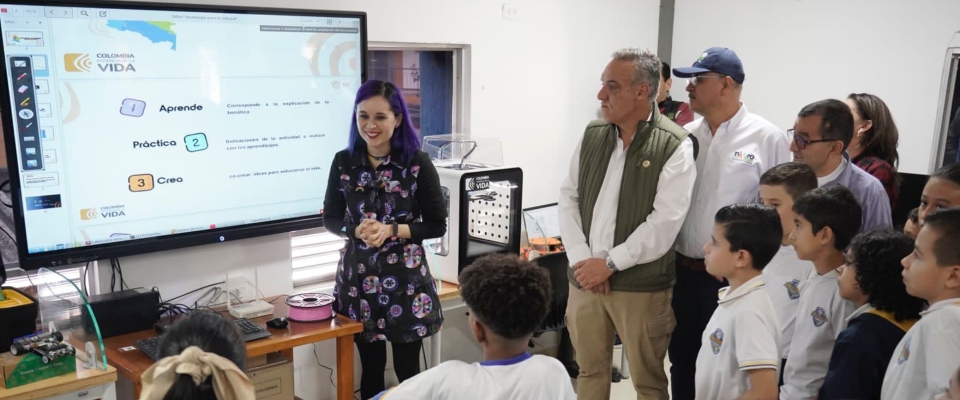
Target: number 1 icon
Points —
{"points": [[133, 107]]}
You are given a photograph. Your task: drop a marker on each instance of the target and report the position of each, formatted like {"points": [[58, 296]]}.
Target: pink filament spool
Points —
{"points": [[310, 307]]}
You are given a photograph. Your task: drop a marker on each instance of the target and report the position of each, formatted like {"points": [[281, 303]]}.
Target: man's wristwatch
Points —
{"points": [[396, 229], [611, 266]]}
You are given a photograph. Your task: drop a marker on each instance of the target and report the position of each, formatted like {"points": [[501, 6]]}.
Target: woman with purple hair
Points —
{"points": [[384, 197]]}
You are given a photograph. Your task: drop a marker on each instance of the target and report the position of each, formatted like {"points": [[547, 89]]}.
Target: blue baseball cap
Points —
{"points": [[715, 59]]}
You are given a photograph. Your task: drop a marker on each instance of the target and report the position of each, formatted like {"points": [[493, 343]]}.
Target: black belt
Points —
{"points": [[694, 264]]}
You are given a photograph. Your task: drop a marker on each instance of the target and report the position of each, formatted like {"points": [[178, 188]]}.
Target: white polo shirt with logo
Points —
{"points": [[742, 335], [533, 377], [927, 356], [783, 276], [821, 316], [728, 171]]}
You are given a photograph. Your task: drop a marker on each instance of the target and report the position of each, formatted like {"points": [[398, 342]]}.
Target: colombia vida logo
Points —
{"points": [[105, 62], [77, 62], [87, 214]]}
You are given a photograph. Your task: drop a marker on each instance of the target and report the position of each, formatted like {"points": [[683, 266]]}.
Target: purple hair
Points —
{"points": [[405, 140]]}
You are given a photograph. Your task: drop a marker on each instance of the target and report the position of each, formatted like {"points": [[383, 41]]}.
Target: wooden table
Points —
{"points": [[67, 383], [448, 291], [131, 362]]}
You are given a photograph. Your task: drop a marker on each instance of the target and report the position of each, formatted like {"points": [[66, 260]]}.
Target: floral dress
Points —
{"points": [[389, 289]]}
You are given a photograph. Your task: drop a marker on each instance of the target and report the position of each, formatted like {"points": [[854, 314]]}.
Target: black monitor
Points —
{"points": [[138, 127]]}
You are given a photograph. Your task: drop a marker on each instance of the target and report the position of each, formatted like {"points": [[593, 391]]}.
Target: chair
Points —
{"points": [[557, 264]]}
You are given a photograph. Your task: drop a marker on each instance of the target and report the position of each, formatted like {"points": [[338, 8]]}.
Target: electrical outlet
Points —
{"points": [[510, 11]]}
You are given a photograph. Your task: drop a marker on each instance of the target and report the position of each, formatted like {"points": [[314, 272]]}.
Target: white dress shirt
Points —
{"points": [[654, 237], [728, 169], [742, 335], [927, 356]]}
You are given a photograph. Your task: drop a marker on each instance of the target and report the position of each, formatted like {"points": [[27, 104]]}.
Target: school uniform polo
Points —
{"points": [[860, 356], [783, 276], [533, 377], [821, 316], [742, 335], [927, 356]]}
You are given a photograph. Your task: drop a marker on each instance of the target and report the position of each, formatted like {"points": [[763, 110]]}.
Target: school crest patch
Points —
{"points": [[819, 317], [905, 352], [793, 289], [716, 340]]}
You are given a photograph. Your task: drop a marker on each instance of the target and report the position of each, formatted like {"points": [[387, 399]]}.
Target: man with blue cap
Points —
{"points": [[736, 147]]}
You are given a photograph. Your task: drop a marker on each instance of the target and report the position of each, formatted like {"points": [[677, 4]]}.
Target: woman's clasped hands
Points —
{"points": [[373, 232]]}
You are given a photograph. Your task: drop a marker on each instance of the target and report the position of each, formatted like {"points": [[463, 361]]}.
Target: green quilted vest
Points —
{"points": [[652, 146]]}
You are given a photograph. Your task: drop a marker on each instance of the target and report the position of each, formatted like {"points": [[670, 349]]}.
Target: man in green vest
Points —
{"points": [[621, 207]]}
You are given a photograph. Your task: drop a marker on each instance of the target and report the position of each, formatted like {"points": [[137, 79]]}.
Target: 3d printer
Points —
{"points": [[483, 200]]}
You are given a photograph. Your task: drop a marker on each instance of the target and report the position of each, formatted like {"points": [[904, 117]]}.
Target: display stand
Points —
{"points": [[64, 308]]}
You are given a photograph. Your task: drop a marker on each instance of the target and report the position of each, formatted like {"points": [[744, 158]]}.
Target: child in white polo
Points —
{"points": [[507, 299], [739, 355], [779, 187], [827, 220], [927, 356]]}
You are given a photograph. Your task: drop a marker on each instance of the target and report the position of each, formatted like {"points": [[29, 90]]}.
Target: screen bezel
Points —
{"points": [[169, 242]]}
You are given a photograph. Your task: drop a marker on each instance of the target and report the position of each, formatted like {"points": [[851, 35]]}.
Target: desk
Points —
{"points": [[67, 383], [448, 291], [132, 363]]}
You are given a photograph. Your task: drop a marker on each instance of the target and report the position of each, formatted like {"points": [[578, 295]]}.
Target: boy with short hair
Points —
{"points": [[779, 187], [922, 364], [827, 219], [507, 298], [739, 355]]}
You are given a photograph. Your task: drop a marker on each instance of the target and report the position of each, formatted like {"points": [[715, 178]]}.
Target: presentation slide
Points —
{"points": [[151, 123]]}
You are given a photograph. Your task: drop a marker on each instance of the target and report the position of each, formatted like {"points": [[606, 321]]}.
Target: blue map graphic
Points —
{"points": [[155, 31]]}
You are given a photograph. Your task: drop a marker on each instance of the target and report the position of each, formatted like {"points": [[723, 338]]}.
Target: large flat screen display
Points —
{"points": [[138, 127]]}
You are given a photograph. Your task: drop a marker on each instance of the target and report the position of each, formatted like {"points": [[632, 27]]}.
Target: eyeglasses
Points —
{"points": [[696, 79], [802, 143]]}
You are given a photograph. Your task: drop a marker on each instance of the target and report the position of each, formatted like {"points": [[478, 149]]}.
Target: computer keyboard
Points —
{"points": [[251, 331], [150, 346]]}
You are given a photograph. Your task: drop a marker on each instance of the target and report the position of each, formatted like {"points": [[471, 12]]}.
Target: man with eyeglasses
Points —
{"points": [[736, 147], [821, 134]]}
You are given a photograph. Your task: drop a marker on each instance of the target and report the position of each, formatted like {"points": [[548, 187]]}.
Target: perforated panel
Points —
{"points": [[490, 212]]}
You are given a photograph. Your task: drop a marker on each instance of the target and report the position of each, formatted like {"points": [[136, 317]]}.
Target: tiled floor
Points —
{"points": [[623, 390]]}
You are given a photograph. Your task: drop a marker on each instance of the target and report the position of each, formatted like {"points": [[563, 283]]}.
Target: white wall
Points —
{"points": [[797, 52], [533, 80], [533, 84]]}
